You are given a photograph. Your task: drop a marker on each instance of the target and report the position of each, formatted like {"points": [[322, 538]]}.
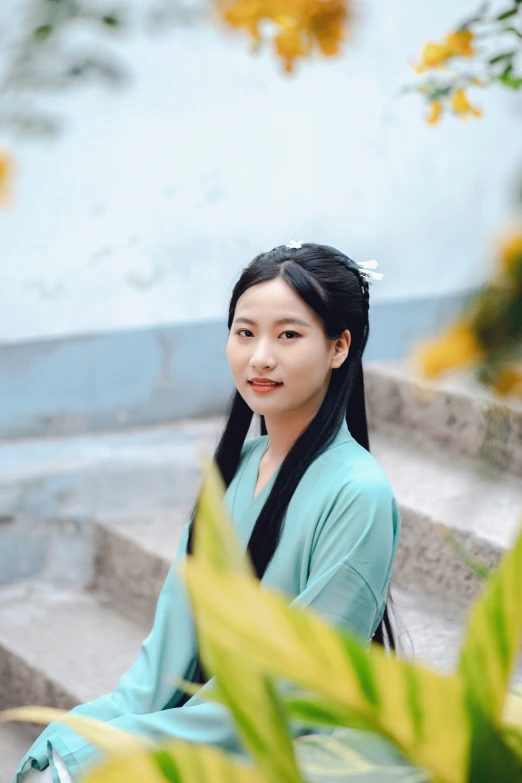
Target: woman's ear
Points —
{"points": [[342, 348]]}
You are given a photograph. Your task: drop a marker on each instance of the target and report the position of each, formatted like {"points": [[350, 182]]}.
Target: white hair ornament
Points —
{"points": [[365, 267]]}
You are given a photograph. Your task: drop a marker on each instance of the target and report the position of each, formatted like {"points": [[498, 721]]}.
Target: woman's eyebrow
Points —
{"points": [[279, 322]]}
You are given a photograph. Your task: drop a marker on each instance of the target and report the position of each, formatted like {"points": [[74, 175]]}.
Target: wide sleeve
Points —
{"points": [[352, 556], [196, 721], [145, 688]]}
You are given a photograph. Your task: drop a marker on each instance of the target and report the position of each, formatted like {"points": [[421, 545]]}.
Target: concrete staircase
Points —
{"points": [[89, 526], [453, 454]]}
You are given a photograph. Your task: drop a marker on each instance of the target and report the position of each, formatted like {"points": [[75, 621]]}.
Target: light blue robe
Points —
{"points": [[335, 555]]}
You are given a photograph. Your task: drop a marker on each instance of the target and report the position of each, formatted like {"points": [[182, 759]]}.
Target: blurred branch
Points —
{"points": [[490, 45], [60, 44]]}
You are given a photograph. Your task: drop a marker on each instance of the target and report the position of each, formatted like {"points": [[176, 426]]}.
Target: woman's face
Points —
{"points": [[298, 354]]}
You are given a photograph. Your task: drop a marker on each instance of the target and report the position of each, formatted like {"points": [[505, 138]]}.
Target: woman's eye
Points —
{"points": [[248, 330]]}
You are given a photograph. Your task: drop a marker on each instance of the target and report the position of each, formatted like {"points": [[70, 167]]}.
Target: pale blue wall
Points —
{"points": [[154, 197], [129, 231], [151, 375]]}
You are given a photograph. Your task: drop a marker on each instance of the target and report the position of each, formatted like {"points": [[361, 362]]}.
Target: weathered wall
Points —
{"points": [[141, 215]]}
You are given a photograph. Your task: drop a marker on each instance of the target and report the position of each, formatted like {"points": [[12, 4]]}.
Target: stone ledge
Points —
{"points": [[60, 647], [456, 412], [15, 741], [432, 488], [134, 553]]}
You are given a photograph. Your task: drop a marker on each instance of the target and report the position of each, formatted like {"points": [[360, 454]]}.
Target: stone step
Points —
{"points": [[60, 647], [426, 629], [481, 509], [138, 550], [430, 631], [52, 488], [455, 411], [133, 555], [15, 741]]}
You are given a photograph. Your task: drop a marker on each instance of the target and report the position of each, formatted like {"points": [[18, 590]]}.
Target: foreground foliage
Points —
{"points": [[274, 665]]}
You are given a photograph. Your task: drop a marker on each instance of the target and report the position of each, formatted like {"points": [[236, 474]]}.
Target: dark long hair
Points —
{"points": [[332, 285]]}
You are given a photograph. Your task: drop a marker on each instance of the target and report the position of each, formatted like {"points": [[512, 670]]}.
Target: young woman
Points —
{"points": [[307, 498]]}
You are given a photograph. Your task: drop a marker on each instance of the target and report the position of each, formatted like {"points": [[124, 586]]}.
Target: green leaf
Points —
{"points": [[513, 738], [177, 762], [312, 710], [352, 756], [110, 739], [488, 654], [214, 539], [135, 767], [194, 689], [513, 30], [507, 14], [491, 756], [513, 706], [402, 701], [514, 82], [500, 57], [467, 24], [43, 32], [440, 92], [195, 762], [494, 629], [134, 759], [111, 21], [260, 716]]}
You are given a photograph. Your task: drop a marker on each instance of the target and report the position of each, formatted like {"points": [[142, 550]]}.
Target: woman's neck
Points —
{"points": [[282, 436]]}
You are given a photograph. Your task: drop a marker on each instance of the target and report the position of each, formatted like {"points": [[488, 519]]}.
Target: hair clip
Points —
{"points": [[367, 266], [295, 244]]}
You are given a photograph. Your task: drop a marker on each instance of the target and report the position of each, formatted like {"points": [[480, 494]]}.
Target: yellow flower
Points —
{"points": [[302, 23], [433, 56], [508, 381], [325, 23], [245, 13], [435, 112], [511, 252], [289, 45], [460, 104], [6, 177], [459, 43], [457, 346]]}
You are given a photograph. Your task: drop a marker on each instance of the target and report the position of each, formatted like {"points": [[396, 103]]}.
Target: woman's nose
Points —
{"points": [[262, 354]]}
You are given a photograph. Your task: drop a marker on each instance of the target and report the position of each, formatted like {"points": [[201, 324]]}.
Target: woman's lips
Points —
{"points": [[264, 388]]}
